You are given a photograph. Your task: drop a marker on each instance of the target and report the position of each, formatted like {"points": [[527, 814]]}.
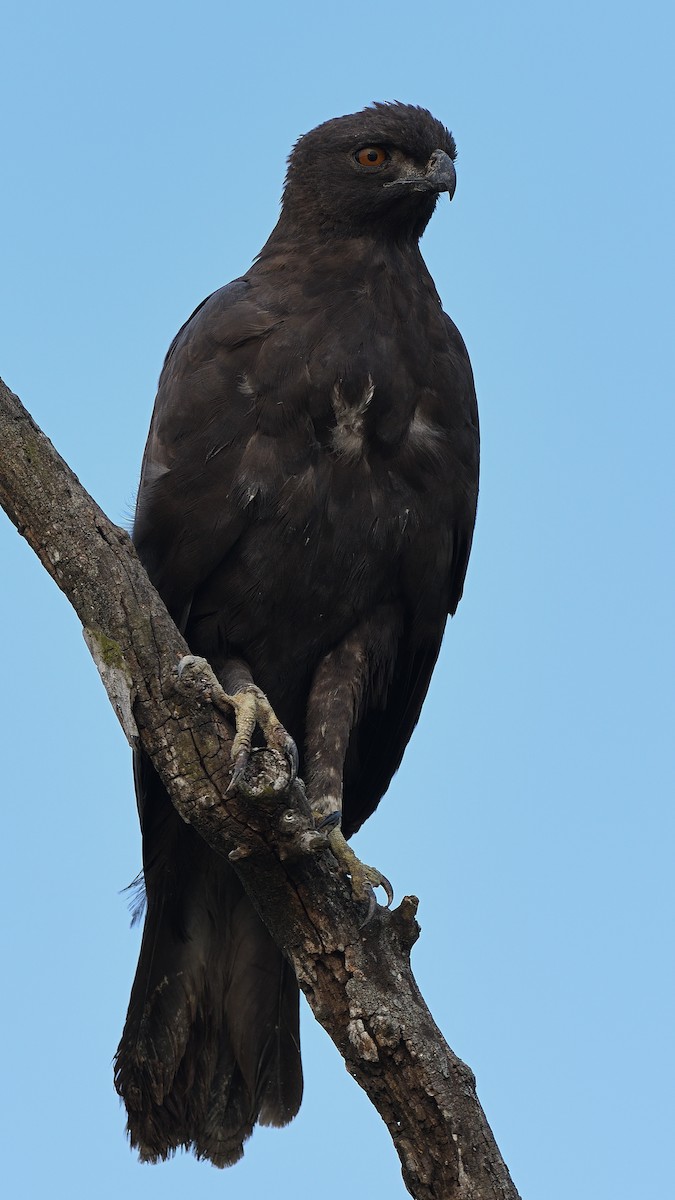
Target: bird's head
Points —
{"points": [[376, 171]]}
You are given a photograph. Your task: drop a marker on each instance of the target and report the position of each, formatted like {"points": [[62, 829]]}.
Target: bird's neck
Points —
{"points": [[326, 250], [291, 234]]}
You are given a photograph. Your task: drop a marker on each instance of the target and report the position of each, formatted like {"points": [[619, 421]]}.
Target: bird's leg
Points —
{"points": [[332, 709], [251, 709]]}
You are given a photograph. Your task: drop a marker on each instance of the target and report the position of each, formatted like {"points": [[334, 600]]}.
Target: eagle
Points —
{"points": [[306, 510]]}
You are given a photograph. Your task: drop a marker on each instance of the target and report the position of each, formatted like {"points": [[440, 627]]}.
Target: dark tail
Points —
{"points": [[211, 1042]]}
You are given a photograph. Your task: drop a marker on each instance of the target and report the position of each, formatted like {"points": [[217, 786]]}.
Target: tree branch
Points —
{"points": [[358, 981]]}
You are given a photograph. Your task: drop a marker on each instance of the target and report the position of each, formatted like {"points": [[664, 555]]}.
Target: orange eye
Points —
{"points": [[371, 156]]}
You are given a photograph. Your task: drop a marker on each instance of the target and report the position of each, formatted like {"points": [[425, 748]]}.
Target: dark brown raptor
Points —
{"points": [[306, 510]]}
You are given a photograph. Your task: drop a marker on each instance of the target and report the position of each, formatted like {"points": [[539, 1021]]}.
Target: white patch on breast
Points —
{"points": [[245, 386], [423, 430], [349, 421], [426, 439]]}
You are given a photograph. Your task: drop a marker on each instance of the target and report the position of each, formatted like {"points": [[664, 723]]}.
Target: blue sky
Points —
{"points": [[143, 152]]}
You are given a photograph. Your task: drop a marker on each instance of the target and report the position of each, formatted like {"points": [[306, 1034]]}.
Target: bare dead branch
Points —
{"points": [[358, 981]]}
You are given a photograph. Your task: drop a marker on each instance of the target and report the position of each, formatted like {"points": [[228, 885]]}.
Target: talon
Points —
{"points": [[332, 821], [292, 757], [239, 765], [372, 909], [251, 708], [363, 877]]}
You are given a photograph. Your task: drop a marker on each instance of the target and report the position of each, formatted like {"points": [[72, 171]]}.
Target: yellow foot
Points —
{"points": [[251, 708], [363, 877]]}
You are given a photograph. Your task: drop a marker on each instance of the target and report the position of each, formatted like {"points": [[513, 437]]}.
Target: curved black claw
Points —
{"points": [[292, 757], [372, 909], [384, 883], [332, 821], [239, 765]]}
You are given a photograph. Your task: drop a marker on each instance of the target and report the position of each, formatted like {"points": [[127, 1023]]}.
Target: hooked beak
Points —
{"points": [[439, 176]]}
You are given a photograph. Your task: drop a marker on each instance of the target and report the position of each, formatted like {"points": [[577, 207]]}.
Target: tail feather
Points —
{"points": [[211, 1040], [229, 1117], [279, 1084]]}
